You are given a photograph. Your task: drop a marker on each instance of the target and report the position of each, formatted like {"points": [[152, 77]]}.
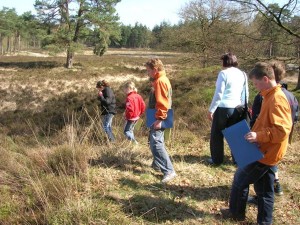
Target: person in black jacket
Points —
{"points": [[107, 100]]}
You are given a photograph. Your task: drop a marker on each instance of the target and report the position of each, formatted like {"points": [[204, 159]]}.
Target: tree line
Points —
{"points": [[208, 28]]}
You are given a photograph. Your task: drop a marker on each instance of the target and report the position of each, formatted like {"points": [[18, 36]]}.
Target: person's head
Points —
{"points": [[153, 66], [102, 84], [229, 60], [263, 76], [129, 87], [279, 70]]}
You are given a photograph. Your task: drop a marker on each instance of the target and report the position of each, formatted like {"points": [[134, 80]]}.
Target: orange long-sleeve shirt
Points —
{"points": [[163, 95], [273, 125]]}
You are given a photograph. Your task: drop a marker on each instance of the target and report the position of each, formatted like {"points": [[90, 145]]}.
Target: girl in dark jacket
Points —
{"points": [[108, 107]]}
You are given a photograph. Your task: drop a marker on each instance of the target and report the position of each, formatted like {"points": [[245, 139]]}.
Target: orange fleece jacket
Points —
{"points": [[163, 95], [273, 125]]}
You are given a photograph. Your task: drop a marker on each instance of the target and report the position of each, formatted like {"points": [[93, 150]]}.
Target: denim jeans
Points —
{"points": [[128, 129], [263, 179], [159, 152], [107, 121], [223, 117]]}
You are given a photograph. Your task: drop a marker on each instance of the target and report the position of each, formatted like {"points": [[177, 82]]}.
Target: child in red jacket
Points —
{"points": [[135, 107]]}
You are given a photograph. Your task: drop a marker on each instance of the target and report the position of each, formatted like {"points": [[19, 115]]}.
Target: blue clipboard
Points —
{"points": [[243, 151], [167, 123]]}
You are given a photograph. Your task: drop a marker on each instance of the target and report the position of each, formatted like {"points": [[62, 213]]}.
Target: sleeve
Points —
{"points": [[281, 124], [107, 97], [142, 105], [219, 92], [256, 108], [162, 100], [245, 91], [129, 110]]}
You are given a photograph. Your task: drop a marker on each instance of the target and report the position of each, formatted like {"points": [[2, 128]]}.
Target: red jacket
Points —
{"points": [[135, 106]]}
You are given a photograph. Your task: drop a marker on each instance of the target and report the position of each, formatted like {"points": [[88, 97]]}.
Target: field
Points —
{"points": [[56, 166]]}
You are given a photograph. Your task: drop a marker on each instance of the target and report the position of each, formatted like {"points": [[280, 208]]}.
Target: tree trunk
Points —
{"points": [[70, 55], [1, 45], [19, 42], [298, 83]]}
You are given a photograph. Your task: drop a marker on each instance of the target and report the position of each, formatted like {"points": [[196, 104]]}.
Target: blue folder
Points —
{"points": [[243, 151], [167, 123]]}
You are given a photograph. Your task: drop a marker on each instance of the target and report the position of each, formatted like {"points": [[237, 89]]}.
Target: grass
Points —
{"points": [[56, 166]]}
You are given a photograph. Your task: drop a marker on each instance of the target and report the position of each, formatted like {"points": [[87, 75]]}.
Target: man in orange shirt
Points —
{"points": [[161, 99], [271, 133]]}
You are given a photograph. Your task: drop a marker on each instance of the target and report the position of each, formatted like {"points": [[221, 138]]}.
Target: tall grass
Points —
{"points": [[57, 166]]}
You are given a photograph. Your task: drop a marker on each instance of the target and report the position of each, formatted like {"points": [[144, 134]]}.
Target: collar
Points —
{"points": [[159, 74], [266, 92], [132, 92]]}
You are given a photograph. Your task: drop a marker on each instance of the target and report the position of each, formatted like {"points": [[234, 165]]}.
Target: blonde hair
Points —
{"points": [[130, 85], [155, 63]]}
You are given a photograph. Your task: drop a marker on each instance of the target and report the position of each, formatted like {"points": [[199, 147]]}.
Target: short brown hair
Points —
{"points": [[229, 60], [155, 63], [262, 69]]}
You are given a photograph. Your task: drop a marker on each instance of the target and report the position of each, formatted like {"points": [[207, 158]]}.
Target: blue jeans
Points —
{"points": [[128, 129], [159, 152], [222, 118], [263, 179], [107, 121]]}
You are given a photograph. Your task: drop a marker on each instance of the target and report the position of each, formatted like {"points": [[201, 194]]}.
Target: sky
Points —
{"points": [[145, 12]]}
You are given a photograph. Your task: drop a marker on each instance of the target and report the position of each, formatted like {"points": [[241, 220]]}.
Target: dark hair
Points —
{"points": [[229, 60], [102, 83], [262, 69]]}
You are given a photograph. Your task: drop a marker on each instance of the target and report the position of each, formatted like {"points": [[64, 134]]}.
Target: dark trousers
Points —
{"points": [[262, 177], [223, 117]]}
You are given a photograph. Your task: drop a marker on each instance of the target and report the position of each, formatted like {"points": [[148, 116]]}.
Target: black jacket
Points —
{"points": [[107, 101]]}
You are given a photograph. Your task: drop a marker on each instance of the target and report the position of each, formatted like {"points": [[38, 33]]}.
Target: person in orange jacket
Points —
{"points": [[161, 99], [271, 133]]}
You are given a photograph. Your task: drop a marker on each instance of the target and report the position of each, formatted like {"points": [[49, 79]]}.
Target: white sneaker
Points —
{"points": [[168, 177]]}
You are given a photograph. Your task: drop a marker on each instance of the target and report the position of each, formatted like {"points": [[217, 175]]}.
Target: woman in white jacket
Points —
{"points": [[231, 87]]}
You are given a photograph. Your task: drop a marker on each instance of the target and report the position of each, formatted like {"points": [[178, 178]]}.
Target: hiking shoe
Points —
{"points": [[168, 177], [227, 214], [252, 200], [277, 189]]}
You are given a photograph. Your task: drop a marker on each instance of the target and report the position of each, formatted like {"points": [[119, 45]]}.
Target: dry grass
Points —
{"points": [[56, 166]]}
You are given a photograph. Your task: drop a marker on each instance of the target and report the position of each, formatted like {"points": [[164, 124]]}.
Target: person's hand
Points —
{"points": [[210, 116], [251, 137], [100, 93], [157, 124]]}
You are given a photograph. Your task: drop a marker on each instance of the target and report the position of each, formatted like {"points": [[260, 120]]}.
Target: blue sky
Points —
{"points": [[146, 12]]}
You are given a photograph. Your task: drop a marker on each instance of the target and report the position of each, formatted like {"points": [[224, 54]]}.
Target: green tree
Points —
{"points": [[282, 17], [32, 30], [9, 29], [207, 28], [67, 19]]}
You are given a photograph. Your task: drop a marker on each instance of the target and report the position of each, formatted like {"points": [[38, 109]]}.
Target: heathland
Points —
{"points": [[56, 166]]}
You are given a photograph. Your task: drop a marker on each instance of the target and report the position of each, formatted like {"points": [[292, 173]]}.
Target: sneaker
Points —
{"points": [[168, 177], [227, 214], [252, 200], [277, 189], [212, 163]]}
